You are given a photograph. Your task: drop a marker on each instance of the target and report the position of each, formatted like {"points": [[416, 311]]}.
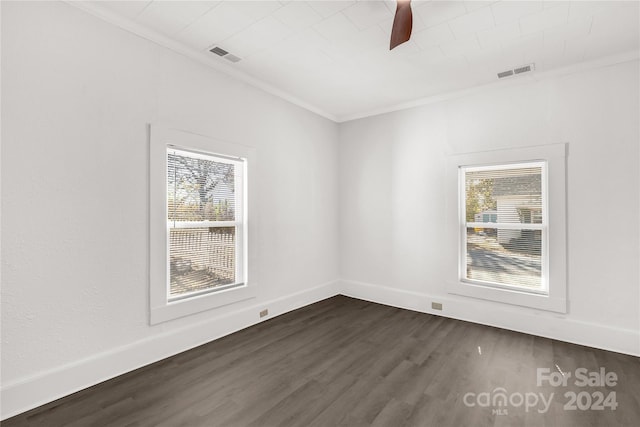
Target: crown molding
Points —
{"points": [[96, 10], [534, 76]]}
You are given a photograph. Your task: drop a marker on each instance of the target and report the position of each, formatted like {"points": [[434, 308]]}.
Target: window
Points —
{"points": [[205, 223], [507, 248], [200, 239], [506, 211]]}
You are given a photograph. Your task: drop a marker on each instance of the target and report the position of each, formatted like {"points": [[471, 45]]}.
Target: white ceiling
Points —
{"points": [[334, 55]]}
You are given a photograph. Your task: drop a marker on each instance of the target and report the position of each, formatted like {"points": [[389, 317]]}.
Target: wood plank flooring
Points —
{"points": [[346, 362]]}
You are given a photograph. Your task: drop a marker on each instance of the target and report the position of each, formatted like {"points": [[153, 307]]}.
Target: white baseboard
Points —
{"points": [[44, 387], [548, 325]]}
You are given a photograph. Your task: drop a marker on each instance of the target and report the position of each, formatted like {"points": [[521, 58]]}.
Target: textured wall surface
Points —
{"points": [[392, 174], [362, 200], [77, 93]]}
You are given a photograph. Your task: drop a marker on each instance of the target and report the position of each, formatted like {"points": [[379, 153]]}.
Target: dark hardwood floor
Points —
{"points": [[346, 362]]}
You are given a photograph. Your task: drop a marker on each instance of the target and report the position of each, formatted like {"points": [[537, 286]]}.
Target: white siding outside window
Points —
{"points": [[506, 213], [510, 251]]}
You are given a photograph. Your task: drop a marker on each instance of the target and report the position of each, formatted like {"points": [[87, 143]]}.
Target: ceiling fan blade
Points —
{"points": [[402, 23]]}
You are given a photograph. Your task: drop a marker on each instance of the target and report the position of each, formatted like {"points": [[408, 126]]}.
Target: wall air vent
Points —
{"points": [[523, 69]]}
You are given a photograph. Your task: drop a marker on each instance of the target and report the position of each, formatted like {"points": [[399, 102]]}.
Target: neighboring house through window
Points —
{"points": [[506, 250], [508, 222]]}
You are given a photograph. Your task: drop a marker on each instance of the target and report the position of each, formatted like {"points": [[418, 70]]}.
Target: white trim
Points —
{"points": [[202, 224], [506, 225], [217, 63], [521, 79], [554, 274], [236, 161], [43, 387], [94, 9], [46, 386], [463, 226], [161, 309], [528, 321], [517, 165]]}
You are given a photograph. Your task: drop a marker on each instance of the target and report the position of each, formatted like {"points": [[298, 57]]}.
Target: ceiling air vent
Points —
{"points": [[218, 51], [524, 69], [223, 53], [232, 58]]}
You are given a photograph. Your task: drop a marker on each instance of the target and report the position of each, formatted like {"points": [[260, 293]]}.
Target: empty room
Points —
{"points": [[320, 213]]}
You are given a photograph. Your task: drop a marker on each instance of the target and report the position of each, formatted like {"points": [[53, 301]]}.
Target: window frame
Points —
{"points": [[543, 226], [238, 223], [162, 306], [553, 157]]}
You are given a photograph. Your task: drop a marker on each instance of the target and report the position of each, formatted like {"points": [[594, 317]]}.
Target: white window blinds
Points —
{"points": [[503, 226], [205, 222]]}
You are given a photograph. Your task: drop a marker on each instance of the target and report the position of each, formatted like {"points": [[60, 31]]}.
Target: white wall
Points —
{"points": [[392, 202], [77, 93]]}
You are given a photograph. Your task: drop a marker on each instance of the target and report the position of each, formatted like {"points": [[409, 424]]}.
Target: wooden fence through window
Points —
{"points": [[201, 258]]}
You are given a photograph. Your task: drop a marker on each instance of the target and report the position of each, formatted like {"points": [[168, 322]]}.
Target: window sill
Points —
{"points": [[160, 309], [555, 157], [187, 306], [509, 296]]}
